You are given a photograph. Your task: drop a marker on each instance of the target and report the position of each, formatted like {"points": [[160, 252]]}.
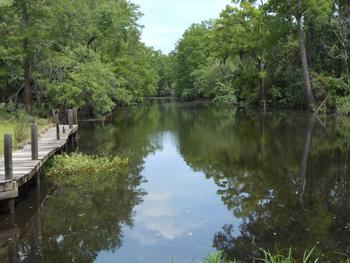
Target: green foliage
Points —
{"points": [[280, 258], [191, 52], [21, 131], [69, 169], [17, 123], [217, 258], [343, 105], [84, 84], [224, 93], [262, 43], [79, 53], [333, 90], [268, 258]]}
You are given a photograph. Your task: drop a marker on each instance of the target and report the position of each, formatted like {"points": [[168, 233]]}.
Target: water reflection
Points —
{"points": [[216, 180], [73, 224]]}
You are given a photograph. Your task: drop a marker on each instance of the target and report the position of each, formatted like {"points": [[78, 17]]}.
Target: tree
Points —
{"points": [[245, 33], [191, 52], [298, 10]]}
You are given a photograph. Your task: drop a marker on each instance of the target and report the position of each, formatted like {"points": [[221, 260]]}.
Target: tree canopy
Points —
{"points": [[78, 53], [286, 54]]}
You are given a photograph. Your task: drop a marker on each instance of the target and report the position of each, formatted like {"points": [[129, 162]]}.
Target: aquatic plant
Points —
{"points": [[71, 169], [280, 258], [217, 258]]}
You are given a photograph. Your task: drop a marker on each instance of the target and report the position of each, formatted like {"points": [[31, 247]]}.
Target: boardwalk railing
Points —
{"points": [[21, 166]]}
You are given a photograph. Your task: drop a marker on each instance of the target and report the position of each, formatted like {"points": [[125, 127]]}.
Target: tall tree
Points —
{"points": [[297, 10]]}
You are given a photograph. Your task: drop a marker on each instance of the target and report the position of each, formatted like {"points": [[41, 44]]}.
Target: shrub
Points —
{"points": [[224, 93], [331, 89], [343, 105]]}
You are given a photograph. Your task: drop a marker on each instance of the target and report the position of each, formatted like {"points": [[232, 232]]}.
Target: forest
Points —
{"points": [[291, 54], [86, 54], [279, 54]]}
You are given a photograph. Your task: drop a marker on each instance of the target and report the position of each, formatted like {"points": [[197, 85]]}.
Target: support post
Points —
{"points": [[57, 130], [9, 167], [75, 116], [8, 157], [70, 118], [34, 142]]}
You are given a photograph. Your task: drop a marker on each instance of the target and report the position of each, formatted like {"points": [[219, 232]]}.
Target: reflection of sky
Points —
{"points": [[178, 217]]}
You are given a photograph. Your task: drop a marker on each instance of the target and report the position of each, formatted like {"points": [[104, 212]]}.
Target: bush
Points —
{"points": [[224, 93], [343, 105], [332, 89]]}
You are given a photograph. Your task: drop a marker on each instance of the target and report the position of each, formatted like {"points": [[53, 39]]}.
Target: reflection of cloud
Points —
{"points": [[143, 239], [167, 228], [157, 204], [158, 214], [158, 211]]}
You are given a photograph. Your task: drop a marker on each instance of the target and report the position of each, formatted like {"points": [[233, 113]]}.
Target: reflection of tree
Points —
{"points": [[306, 149], [285, 192], [83, 219], [267, 204]]}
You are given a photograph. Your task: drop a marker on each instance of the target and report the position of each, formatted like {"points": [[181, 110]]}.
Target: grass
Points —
{"points": [[268, 258], [18, 127]]}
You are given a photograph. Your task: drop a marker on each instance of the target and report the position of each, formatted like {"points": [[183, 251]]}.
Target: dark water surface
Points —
{"points": [[204, 178]]}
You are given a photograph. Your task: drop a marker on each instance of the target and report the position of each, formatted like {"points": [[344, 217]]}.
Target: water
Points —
{"points": [[204, 178]]}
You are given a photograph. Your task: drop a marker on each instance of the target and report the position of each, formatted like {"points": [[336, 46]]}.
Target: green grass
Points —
{"points": [[20, 130], [268, 258]]}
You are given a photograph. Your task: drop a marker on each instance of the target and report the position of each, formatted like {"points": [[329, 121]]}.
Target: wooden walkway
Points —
{"points": [[24, 168]]}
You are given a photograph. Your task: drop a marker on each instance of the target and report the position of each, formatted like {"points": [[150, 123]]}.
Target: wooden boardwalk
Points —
{"points": [[24, 168]]}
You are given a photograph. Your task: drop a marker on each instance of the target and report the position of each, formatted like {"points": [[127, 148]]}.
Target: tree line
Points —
{"points": [[282, 54], [81, 53], [88, 54]]}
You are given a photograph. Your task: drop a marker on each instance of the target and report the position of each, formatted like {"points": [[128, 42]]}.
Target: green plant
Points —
{"points": [[280, 258], [343, 105], [217, 258], [71, 169], [21, 127]]}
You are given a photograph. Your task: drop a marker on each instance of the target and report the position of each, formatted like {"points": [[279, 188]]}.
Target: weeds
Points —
{"points": [[21, 130], [268, 258], [217, 258], [71, 169]]}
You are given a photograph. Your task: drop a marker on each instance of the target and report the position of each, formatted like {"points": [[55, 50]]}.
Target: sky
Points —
{"points": [[166, 20]]}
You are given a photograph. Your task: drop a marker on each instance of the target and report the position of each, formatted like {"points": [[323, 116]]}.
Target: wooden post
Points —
{"points": [[75, 116], [70, 119], [57, 130], [9, 167], [34, 142], [8, 156], [55, 116]]}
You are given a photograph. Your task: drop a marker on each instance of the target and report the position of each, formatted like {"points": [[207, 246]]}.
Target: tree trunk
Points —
{"points": [[305, 155], [307, 82], [28, 96], [261, 68]]}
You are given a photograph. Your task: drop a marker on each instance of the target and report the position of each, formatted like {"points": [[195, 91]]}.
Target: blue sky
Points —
{"points": [[166, 20]]}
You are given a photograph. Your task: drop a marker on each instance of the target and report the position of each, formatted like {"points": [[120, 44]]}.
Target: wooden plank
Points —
{"points": [[24, 168]]}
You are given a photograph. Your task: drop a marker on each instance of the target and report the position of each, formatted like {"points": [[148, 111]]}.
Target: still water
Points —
{"points": [[204, 178]]}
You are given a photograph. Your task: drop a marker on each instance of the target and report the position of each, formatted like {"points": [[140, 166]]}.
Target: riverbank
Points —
{"points": [[18, 124]]}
